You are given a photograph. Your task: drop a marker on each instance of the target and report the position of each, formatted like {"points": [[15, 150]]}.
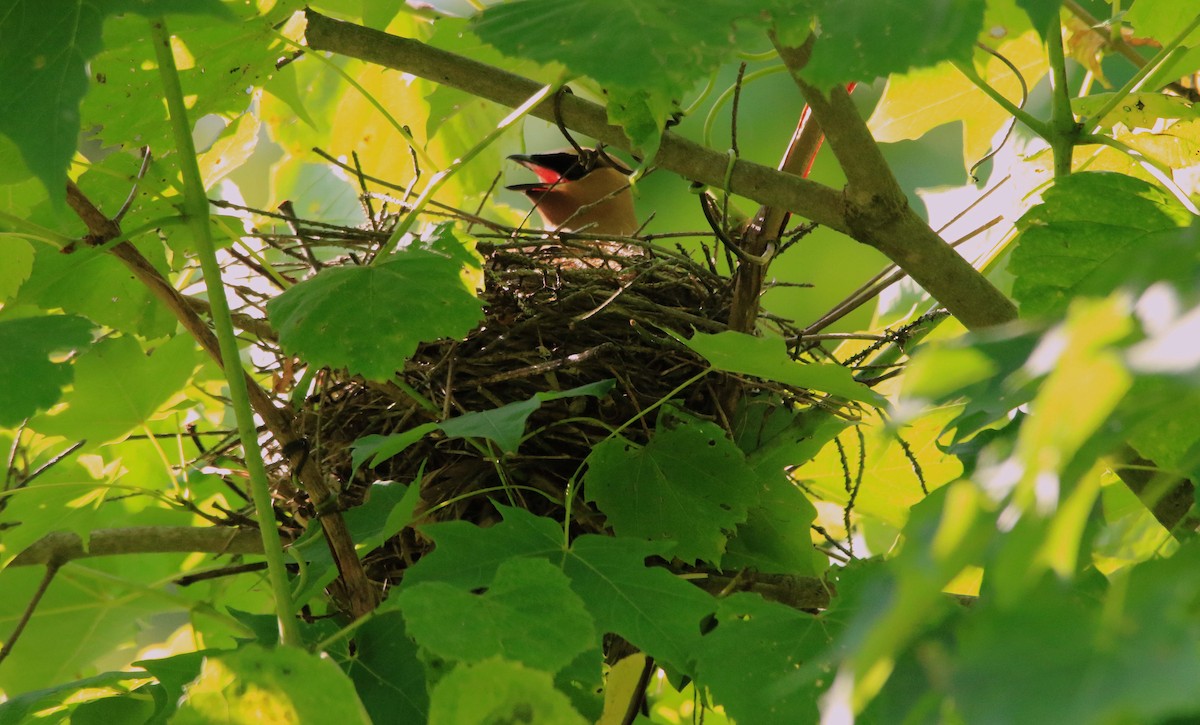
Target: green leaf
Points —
{"points": [[1041, 13], [387, 673], [97, 626], [468, 556], [21, 709], [528, 614], [25, 346], [664, 47], [44, 75], [689, 485], [497, 691], [767, 358], [1163, 19], [118, 387], [98, 286], [1090, 234], [916, 102], [378, 448], [505, 425], [173, 674], [107, 710], [284, 684], [16, 264], [758, 661], [863, 41], [653, 609], [370, 319], [219, 57], [388, 509], [650, 607], [776, 536]]}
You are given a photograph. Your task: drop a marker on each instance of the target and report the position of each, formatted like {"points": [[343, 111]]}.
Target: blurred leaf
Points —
{"points": [[505, 425], [99, 621], [232, 148], [1087, 233], [118, 387], [285, 684], [1075, 658], [1041, 13], [173, 674], [497, 691], [767, 358], [370, 319], [44, 76], [528, 596], [387, 673], [23, 708], [1163, 19], [25, 346], [689, 485]]}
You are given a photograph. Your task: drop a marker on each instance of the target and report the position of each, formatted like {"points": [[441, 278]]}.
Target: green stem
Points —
{"points": [[1064, 131], [727, 94], [1135, 83], [1032, 122], [195, 209], [410, 220]]}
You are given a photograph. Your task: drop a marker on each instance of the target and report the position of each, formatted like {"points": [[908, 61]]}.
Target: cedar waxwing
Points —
{"points": [[586, 194]]}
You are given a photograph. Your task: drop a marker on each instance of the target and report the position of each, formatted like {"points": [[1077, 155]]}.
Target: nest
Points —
{"points": [[559, 313]]}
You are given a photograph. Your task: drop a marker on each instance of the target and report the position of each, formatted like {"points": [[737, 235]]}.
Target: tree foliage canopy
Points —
{"points": [[944, 476]]}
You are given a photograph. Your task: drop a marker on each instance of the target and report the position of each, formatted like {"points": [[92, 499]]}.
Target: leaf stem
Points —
{"points": [[1064, 130], [195, 209], [1032, 122]]}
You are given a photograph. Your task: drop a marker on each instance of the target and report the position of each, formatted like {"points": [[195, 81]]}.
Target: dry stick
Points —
{"points": [[360, 596]]}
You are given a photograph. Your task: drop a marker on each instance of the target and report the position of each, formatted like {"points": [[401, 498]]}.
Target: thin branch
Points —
{"points": [[878, 213], [64, 546], [11, 640]]}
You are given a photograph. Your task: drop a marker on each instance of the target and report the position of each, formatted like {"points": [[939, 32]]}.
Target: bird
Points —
{"points": [[584, 192]]}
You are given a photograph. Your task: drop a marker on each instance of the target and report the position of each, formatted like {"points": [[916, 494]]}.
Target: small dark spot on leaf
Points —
{"points": [[479, 590], [709, 623]]}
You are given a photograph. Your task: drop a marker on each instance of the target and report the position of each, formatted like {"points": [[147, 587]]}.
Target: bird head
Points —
{"points": [[588, 193]]}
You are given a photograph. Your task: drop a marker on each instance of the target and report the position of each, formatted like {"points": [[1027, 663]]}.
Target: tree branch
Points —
{"points": [[60, 547], [815, 201], [878, 214], [873, 209]]}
